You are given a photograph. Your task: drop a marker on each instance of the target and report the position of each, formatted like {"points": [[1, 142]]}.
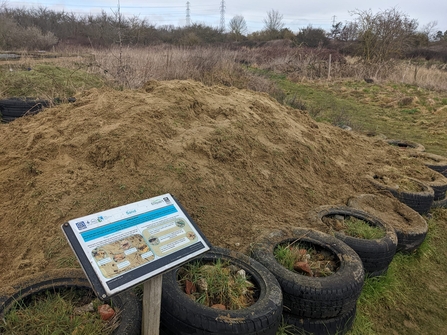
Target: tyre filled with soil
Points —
{"points": [[126, 303], [317, 298], [410, 227], [421, 201], [182, 315], [376, 254]]}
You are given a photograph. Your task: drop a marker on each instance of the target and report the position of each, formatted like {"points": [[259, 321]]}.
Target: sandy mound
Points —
{"points": [[238, 161]]}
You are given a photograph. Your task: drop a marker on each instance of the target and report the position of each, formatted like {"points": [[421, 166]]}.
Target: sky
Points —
{"points": [[295, 14]]}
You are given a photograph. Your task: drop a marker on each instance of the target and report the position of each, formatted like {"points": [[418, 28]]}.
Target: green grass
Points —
{"points": [[372, 109], [410, 298], [54, 313], [218, 283], [321, 264], [361, 229], [45, 81], [284, 256]]}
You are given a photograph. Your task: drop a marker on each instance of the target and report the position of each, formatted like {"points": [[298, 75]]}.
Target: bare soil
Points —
{"points": [[238, 161]]}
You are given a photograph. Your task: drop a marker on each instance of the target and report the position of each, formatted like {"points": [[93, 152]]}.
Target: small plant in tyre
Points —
{"points": [[306, 259], [217, 285]]}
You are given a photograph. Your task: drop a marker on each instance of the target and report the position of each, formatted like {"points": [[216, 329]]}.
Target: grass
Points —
{"points": [[55, 313], [45, 81], [319, 263], [218, 283], [372, 110], [361, 229], [391, 302]]}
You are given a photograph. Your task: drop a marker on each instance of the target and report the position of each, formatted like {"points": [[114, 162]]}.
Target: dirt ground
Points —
{"points": [[238, 161]]}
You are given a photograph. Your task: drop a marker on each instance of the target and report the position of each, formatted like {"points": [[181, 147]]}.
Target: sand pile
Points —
{"points": [[239, 162]]}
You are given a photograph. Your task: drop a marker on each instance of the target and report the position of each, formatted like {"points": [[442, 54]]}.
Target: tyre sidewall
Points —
{"points": [[263, 317], [341, 288]]}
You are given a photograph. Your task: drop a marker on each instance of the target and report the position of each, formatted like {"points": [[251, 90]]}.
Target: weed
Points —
{"points": [[68, 262], [295, 102], [306, 259], [54, 246], [285, 329], [218, 283], [410, 111], [55, 313], [361, 229]]}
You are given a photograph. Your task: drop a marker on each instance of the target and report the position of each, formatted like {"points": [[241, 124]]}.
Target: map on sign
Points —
{"points": [[126, 245]]}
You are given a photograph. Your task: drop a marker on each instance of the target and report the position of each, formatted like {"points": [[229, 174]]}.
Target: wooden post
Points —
{"points": [[152, 305], [329, 68]]}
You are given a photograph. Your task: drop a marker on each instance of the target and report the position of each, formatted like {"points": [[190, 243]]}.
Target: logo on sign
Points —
{"points": [[81, 225]]}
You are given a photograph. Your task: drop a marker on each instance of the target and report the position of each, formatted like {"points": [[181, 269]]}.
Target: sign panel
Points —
{"points": [[123, 246]]}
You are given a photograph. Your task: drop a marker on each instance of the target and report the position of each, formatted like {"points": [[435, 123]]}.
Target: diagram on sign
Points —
{"points": [[122, 255], [169, 236]]}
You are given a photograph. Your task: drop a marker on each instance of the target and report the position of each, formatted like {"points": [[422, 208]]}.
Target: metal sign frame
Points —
{"points": [[124, 246]]}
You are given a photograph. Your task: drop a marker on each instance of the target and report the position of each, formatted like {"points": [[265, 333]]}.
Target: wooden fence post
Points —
{"points": [[329, 68]]}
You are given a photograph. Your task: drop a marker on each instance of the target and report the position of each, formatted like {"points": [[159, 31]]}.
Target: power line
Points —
{"points": [[188, 17], [222, 16]]}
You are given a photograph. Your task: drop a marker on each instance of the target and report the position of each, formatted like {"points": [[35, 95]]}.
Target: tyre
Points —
{"points": [[434, 179], [16, 107], [410, 227], [407, 145], [439, 186], [420, 201], [333, 326], [7, 119], [127, 302], [181, 315], [440, 203], [376, 254], [313, 297], [435, 162]]}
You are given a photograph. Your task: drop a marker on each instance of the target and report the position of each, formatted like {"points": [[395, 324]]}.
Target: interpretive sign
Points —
{"points": [[124, 246]]}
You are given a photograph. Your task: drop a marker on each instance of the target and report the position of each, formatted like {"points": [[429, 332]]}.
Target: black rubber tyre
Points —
{"points": [[440, 203], [375, 254], [421, 201], [439, 188], [127, 302], [435, 162], [333, 326], [313, 297], [407, 145], [181, 315], [17, 107], [7, 119], [410, 227]]}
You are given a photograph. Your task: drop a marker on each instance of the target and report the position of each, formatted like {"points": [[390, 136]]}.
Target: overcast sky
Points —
{"points": [[296, 14]]}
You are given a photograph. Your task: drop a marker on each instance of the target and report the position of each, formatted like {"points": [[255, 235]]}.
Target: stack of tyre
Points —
{"points": [[180, 315], [13, 108], [315, 305]]}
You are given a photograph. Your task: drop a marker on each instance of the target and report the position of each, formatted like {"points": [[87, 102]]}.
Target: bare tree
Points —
{"points": [[384, 35], [273, 21], [238, 26], [429, 30]]}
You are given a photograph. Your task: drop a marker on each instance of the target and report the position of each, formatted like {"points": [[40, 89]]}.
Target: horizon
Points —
{"points": [[175, 14]]}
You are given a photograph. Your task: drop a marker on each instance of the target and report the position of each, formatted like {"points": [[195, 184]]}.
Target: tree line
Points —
{"points": [[375, 37]]}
